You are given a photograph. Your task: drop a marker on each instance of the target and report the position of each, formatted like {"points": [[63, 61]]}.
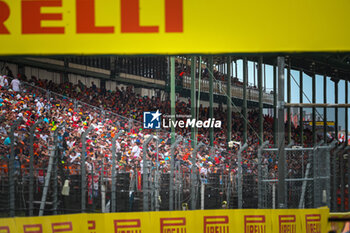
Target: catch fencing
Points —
{"points": [[80, 158], [249, 183]]}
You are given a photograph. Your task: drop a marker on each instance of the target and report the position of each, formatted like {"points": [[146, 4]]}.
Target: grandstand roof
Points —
{"points": [[336, 65]]}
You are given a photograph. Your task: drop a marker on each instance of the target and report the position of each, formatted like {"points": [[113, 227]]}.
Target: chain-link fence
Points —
{"points": [[307, 177], [340, 165], [78, 157]]}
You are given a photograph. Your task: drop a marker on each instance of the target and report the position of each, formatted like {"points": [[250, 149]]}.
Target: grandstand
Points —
{"points": [[132, 116], [73, 106]]}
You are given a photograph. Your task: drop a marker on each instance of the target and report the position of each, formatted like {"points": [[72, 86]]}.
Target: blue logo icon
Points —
{"points": [[151, 120]]}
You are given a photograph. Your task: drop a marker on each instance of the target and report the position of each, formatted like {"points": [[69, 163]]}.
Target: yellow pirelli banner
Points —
{"points": [[207, 221], [173, 26]]}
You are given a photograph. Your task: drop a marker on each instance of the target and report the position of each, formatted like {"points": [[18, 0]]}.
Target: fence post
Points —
{"points": [[239, 183], [83, 171], [156, 190], [286, 173], [316, 176], [193, 175], [334, 166], [171, 179], [260, 150], [303, 188], [49, 169], [156, 179], [55, 193], [11, 167], [202, 194], [114, 199], [342, 181], [31, 167], [145, 173], [178, 179], [92, 187], [228, 191], [328, 170]]}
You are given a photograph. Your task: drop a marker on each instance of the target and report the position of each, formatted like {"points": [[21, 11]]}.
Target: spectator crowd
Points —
{"points": [[108, 112]]}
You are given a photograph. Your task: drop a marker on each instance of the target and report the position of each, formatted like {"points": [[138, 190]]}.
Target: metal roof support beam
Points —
{"points": [[275, 105], [310, 105], [172, 96], [245, 83], [336, 109], [289, 122], [314, 134], [325, 109], [193, 98], [228, 104], [211, 98], [346, 113], [281, 138], [301, 119], [260, 82]]}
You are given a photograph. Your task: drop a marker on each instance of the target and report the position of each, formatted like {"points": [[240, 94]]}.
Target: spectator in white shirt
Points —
{"points": [[40, 105], [3, 81], [15, 84], [136, 151]]}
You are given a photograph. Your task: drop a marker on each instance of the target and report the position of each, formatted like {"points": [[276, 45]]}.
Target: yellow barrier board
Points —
{"points": [[206, 221], [173, 26], [340, 226]]}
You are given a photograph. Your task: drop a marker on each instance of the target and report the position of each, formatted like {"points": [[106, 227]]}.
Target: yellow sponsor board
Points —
{"points": [[206, 221], [173, 26]]}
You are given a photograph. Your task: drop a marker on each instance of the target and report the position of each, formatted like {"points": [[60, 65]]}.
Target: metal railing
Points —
{"points": [[220, 88]]}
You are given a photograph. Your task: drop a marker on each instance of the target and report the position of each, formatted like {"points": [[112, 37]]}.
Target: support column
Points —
{"points": [[11, 171], [83, 170], [314, 135], [260, 80], [275, 105], [114, 172], [146, 172], [346, 113], [65, 73], [336, 108], [289, 122], [211, 98], [172, 166], [194, 178], [172, 96], [113, 68], [228, 104], [281, 130], [301, 114], [193, 98], [31, 167], [245, 83], [325, 109], [236, 72]]}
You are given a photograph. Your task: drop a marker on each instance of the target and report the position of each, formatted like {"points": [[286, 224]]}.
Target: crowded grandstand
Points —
{"points": [[70, 110]]}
